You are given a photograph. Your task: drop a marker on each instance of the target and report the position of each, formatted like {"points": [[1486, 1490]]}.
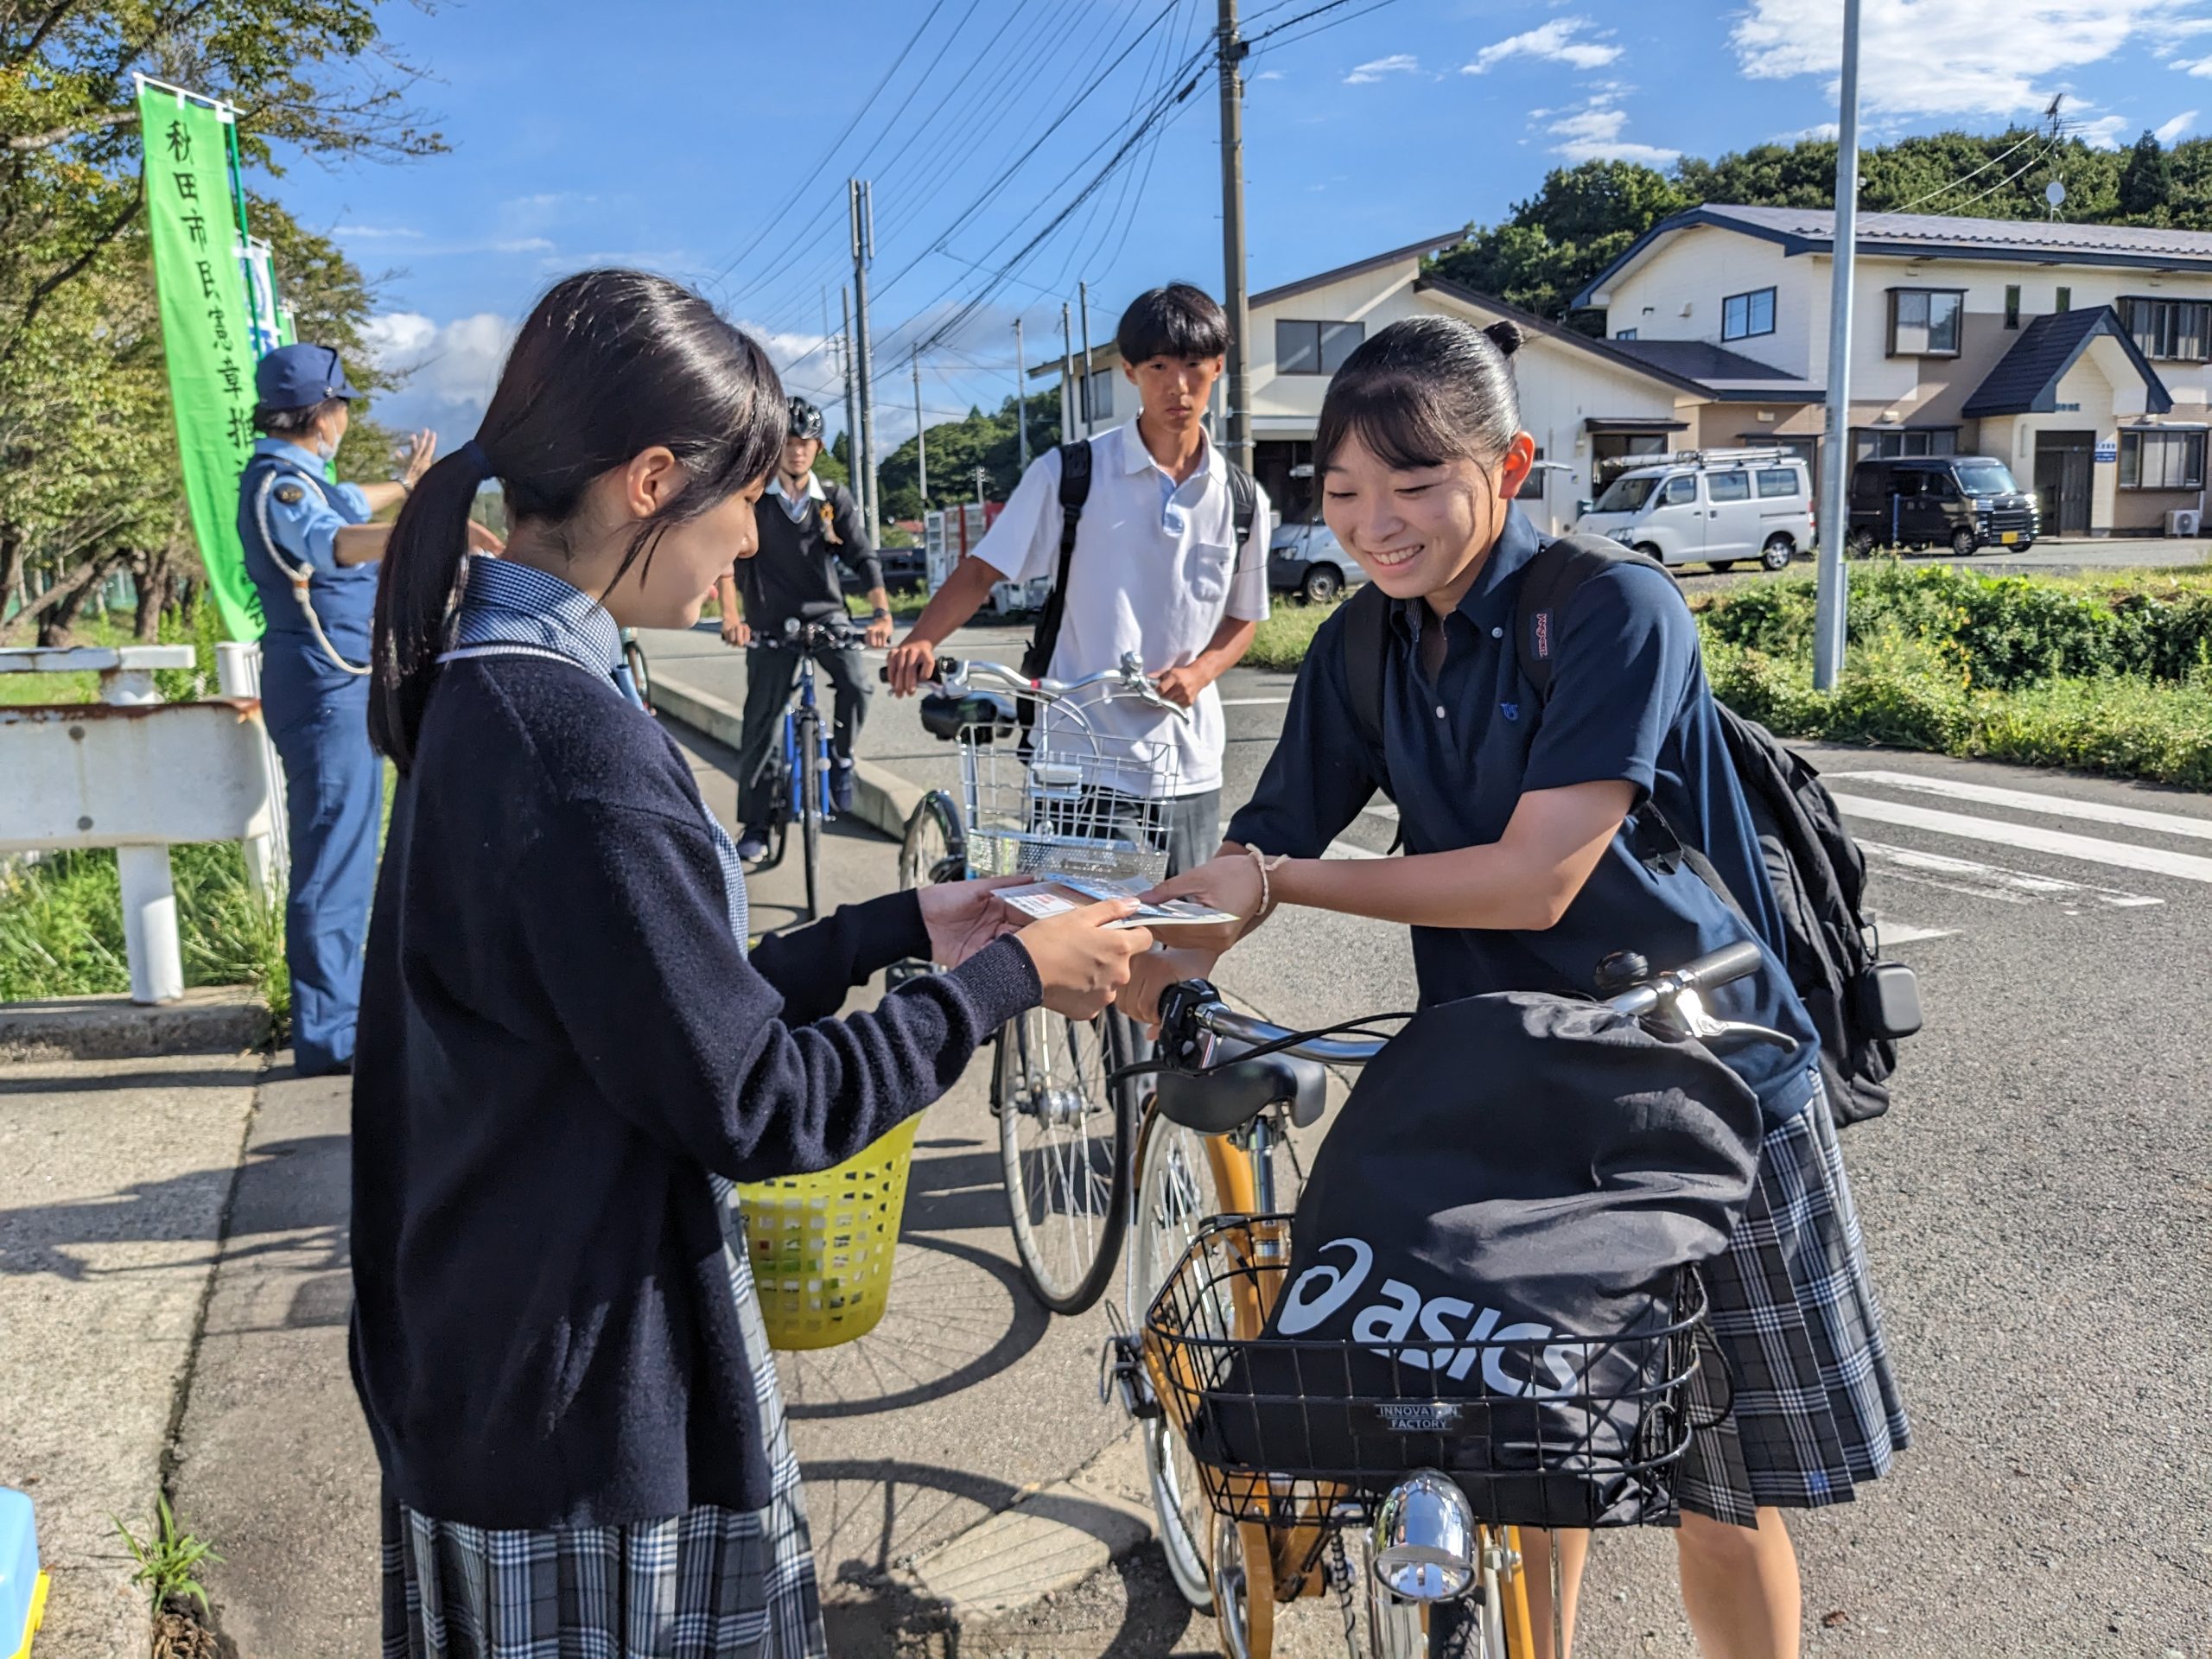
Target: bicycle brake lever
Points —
{"points": [[1689, 1012]]}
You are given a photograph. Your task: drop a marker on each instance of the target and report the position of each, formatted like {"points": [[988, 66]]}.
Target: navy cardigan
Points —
{"points": [[558, 1040]]}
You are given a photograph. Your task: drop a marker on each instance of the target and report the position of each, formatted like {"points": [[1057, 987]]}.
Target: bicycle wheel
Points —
{"points": [[1064, 1145], [812, 778], [935, 848], [776, 790], [1177, 1191]]}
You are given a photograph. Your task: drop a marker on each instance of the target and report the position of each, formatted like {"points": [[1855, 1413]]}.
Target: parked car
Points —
{"points": [[903, 568], [1961, 502], [1307, 559], [1713, 506]]}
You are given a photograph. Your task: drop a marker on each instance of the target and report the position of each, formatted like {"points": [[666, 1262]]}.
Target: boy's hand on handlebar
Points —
{"points": [[962, 917], [1150, 975], [1180, 685], [909, 665], [1083, 961], [736, 632], [1229, 882]]}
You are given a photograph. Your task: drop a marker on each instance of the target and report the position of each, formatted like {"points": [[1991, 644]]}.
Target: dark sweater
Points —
{"points": [[558, 1040], [793, 573]]}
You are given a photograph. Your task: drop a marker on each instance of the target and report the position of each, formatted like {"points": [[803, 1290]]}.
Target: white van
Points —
{"points": [[1710, 506]]}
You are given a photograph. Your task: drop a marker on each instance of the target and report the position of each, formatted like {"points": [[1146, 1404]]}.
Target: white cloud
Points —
{"points": [[450, 369], [1594, 134], [523, 245], [1822, 131], [2103, 131], [378, 232], [1398, 63], [1557, 42], [1268, 74], [1953, 58], [2174, 129]]}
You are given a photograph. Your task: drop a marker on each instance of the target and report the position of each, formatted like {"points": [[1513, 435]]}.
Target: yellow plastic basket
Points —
{"points": [[823, 1244]]}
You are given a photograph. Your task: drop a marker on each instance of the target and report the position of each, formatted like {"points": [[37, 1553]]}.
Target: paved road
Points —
{"points": [[2037, 1210]]}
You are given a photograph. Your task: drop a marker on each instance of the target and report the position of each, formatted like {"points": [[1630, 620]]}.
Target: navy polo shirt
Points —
{"points": [[1629, 702]]}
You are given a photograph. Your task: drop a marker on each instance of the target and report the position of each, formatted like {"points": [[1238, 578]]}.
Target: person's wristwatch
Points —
{"points": [[878, 615]]}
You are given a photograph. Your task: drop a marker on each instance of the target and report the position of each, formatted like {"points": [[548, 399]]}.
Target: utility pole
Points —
{"points": [[921, 438], [1083, 298], [1069, 405], [861, 496], [980, 476], [862, 208], [1234, 299], [1832, 605], [1021, 399]]}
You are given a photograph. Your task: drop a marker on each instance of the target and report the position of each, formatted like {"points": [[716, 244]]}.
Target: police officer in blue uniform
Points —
{"points": [[312, 554]]}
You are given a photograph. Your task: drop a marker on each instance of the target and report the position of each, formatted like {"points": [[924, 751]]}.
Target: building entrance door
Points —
{"points": [[2064, 467]]}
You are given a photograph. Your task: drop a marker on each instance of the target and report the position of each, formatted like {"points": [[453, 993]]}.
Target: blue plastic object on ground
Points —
{"points": [[22, 1586]]}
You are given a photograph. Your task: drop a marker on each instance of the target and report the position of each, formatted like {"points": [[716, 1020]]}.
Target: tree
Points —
{"points": [[88, 473], [1580, 220], [2147, 183], [957, 448]]}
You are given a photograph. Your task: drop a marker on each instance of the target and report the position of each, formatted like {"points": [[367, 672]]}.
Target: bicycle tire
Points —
{"points": [[1175, 1190], [935, 846], [1078, 1181], [812, 780], [776, 790]]}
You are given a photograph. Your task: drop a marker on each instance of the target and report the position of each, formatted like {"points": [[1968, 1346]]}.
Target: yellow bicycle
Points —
{"points": [[1280, 1473]]}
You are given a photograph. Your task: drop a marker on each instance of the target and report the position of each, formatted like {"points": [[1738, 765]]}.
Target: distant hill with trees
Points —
{"points": [[1583, 217]]}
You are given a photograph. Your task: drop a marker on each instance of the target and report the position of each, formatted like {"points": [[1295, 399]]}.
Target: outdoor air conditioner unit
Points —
{"points": [[2182, 521]]}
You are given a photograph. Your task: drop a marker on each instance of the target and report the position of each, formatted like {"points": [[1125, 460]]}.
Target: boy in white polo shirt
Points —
{"points": [[1158, 565]]}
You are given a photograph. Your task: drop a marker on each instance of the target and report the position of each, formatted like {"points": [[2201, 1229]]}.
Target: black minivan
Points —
{"points": [[1961, 502]]}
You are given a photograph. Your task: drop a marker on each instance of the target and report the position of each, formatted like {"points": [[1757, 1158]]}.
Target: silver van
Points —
{"points": [[1710, 506]]}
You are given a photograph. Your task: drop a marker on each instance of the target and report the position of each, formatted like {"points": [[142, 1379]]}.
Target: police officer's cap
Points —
{"points": [[299, 377]]}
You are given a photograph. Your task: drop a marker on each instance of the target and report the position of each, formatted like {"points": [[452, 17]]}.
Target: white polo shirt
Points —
{"points": [[1155, 569]]}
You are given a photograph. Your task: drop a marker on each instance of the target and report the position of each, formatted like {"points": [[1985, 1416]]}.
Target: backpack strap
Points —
{"points": [[1243, 506], [1366, 624], [1075, 491]]}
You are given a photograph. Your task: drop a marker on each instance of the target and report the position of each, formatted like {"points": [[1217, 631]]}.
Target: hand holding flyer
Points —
{"points": [[1055, 895]]}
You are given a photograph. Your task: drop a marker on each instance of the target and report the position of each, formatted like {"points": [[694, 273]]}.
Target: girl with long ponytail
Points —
{"points": [[566, 1057]]}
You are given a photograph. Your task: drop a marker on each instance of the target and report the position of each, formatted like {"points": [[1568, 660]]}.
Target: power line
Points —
{"points": [[1323, 28]]}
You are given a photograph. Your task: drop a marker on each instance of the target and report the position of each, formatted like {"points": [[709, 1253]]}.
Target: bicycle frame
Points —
{"points": [[797, 722]]}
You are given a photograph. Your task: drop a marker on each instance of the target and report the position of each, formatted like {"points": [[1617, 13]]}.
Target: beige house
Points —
{"points": [[2080, 355]]}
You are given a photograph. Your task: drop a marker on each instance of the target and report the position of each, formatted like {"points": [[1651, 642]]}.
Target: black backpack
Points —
{"points": [[1075, 490], [1860, 1005]]}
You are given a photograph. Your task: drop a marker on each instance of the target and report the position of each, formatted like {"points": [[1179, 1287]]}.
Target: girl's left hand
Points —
{"points": [[962, 917], [1231, 882]]}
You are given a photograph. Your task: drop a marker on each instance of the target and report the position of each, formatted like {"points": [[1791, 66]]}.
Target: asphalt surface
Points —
{"points": [[2037, 1211]]}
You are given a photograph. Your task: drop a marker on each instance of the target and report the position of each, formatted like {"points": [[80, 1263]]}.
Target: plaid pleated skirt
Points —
{"points": [[1807, 1405], [712, 1583]]}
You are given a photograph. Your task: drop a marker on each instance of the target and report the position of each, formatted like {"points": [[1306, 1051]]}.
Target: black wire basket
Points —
{"points": [[1560, 1430]]}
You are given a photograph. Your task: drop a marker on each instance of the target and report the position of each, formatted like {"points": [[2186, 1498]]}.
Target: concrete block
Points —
{"points": [[210, 1019]]}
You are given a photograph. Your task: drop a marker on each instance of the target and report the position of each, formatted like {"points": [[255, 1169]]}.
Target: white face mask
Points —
{"points": [[329, 452]]}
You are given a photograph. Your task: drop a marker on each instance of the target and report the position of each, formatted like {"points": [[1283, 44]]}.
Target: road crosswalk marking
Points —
{"points": [[1979, 881], [2158, 860], [2022, 800]]}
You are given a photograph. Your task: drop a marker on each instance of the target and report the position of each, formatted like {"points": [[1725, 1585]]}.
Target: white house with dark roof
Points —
{"points": [[2079, 355]]}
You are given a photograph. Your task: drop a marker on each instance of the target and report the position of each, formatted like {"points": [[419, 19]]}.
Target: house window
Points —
{"points": [[1625, 333], [1098, 396], [1315, 347], [2161, 460], [1889, 442], [1742, 315], [2065, 300], [2173, 331], [1924, 321], [2012, 305]]}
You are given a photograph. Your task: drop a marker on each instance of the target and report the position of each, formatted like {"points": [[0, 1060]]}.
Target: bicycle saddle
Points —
{"points": [[1231, 1096]]}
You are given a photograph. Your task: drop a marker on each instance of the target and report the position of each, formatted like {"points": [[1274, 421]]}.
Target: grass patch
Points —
{"points": [[2109, 672]]}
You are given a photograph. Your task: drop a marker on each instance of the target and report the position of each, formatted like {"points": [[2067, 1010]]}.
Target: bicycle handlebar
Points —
{"points": [[1196, 1005], [1128, 679]]}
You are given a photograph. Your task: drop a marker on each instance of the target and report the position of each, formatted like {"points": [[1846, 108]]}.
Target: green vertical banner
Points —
{"points": [[207, 329]]}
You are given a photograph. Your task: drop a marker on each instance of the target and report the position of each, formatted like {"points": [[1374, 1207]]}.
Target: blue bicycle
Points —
{"points": [[797, 771]]}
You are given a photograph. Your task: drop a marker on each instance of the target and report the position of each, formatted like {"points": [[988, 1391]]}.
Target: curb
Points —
{"points": [[881, 798], [208, 1020]]}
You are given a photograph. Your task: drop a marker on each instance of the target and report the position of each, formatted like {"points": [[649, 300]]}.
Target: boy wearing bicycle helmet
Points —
{"points": [[1169, 560], [1537, 834], [794, 577]]}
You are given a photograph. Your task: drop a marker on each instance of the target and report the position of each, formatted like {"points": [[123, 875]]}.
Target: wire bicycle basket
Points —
{"points": [[1090, 793], [1560, 1430]]}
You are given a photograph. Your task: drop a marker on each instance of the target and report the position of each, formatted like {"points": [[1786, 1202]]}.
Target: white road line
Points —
{"points": [[1911, 935], [1381, 810], [1993, 882], [2021, 800], [1252, 702], [2189, 867]]}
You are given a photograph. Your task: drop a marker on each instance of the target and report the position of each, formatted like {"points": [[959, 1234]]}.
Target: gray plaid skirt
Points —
{"points": [[709, 1583], [1807, 1405]]}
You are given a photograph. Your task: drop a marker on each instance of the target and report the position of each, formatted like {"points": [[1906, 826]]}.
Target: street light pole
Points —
{"points": [[861, 206], [1831, 610], [921, 438], [1082, 299], [861, 497], [1234, 300]]}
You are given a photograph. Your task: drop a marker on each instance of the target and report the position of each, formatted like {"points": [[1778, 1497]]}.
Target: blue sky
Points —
{"points": [[668, 133]]}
